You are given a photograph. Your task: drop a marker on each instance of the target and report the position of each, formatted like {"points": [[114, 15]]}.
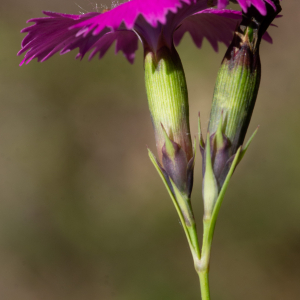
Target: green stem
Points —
{"points": [[203, 268], [194, 242], [209, 223], [191, 235], [190, 232], [203, 276]]}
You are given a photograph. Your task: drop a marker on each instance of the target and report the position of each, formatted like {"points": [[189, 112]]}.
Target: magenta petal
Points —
{"points": [[216, 26], [267, 38], [52, 34], [244, 4], [153, 11], [259, 4], [212, 24], [222, 4], [126, 41], [271, 3]]}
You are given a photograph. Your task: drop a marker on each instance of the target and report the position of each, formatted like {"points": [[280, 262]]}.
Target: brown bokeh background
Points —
{"points": [[83, 213]]}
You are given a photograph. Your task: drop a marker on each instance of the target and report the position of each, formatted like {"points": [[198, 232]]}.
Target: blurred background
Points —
{"points": [[83, 213]]}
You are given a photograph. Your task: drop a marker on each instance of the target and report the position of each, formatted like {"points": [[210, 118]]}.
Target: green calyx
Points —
{"points": [[236, 90], [168, 98]]}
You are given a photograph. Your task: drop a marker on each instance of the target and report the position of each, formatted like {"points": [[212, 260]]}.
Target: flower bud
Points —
{"points": [[168, 98], [236, 90], [168, 104]]}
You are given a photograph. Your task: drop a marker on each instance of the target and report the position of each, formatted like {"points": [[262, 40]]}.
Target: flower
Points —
{"points": [[152, 21], [260, 5], [159, 24]]}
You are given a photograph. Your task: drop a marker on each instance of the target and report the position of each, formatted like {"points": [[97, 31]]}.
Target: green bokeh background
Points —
{"points": [[83, 213]]}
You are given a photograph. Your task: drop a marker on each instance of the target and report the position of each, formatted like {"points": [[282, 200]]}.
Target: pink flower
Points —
{"points": [[154, 22]]}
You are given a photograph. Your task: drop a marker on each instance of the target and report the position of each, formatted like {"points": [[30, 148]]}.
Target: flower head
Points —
{"points": [[154, 22]]}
